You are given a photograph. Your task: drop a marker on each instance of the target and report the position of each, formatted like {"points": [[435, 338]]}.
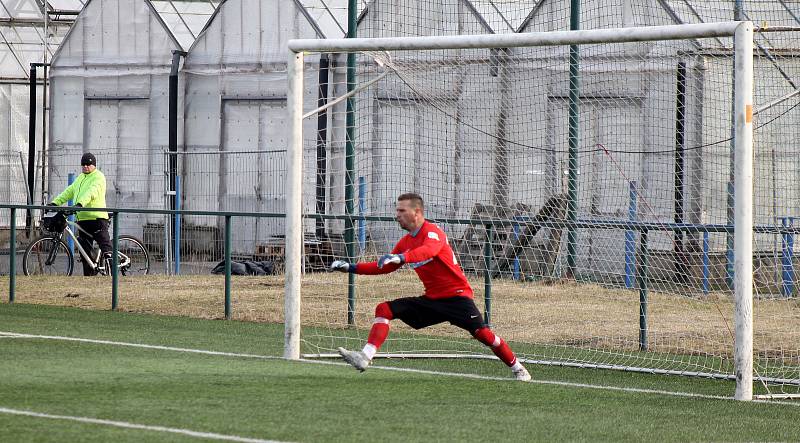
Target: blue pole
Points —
{"points": [[787, 256], [362, 208], [516, 257], [630, 238], [729, 272], [706, 264], [177, 225], [70, 243]]}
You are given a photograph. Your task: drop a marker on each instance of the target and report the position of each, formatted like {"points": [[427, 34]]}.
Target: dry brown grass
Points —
{"points": [[561, 313]]}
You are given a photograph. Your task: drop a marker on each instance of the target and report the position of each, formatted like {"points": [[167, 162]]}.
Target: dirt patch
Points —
{"points": [[569, 314]]}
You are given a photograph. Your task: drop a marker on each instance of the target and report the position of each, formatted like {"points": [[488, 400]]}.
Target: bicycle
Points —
{"points": [[50, 254]]}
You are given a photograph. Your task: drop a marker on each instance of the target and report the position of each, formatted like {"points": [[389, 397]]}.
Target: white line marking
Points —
{"points": [[137, 345], [386, 368], [122, 424]]}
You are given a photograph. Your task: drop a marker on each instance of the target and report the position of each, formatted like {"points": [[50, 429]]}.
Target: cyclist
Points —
{"points": [[89, 191]]}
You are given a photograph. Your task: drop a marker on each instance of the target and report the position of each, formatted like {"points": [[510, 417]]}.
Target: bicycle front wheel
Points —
{"points": [[133, 257], [48, 256]]}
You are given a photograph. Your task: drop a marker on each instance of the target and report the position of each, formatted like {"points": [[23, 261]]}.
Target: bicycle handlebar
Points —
{"points": [[64, 210]]}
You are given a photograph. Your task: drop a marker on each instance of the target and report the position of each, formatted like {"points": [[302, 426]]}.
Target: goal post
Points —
{"points": [[743, 211], [381, 50], [294, 216]]}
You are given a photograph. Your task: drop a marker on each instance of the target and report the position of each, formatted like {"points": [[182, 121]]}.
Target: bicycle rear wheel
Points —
{"points": [[133, 259], [48, 256]]}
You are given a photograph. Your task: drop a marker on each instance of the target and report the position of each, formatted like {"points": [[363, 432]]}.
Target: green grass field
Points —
{"points": [[272, 399]]}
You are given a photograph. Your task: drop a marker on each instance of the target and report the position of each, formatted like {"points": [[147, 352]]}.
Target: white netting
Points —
{"points": [[484, 136]]}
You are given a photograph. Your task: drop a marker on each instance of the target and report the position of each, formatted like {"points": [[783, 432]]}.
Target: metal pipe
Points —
{"points": [[43, 153], [294, 205], [177, 246], [630, 242], [227, 267], [787, 259], [12, 258], [680, 161], [71, 217], [349, 177], [487, 275], [643, 290], [173, 132], [574, 138], [777, 101], [349, 94], [706, 265], [31, 147], [114, 263], [322, 140], [743, 214], [554, 38], [362, 209]]}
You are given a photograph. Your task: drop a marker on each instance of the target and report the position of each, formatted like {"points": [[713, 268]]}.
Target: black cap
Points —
{"points": [[88, 159]]}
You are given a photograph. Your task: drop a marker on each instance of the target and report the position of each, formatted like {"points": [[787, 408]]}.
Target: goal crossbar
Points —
{"points": [[554, 38]]}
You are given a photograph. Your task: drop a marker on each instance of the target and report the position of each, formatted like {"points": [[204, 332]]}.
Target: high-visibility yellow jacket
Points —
{"points": [[90, 191]]}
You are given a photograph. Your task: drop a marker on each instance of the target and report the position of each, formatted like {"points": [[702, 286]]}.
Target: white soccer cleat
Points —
{"points": [[358, 359], [522, 374]]}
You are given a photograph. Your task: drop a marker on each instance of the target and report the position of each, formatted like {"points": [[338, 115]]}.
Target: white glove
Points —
{"points": [[387, 259], [340, 265]]}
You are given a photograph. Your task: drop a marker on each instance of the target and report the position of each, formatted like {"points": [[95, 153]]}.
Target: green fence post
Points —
{"points": [[350, 155], [114, 263], [642, 274], [574, 139], [227, 267], [12, 267], [487, 275]]}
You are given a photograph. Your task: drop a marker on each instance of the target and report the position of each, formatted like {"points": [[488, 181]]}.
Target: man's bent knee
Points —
{"points": [[384, 311]]}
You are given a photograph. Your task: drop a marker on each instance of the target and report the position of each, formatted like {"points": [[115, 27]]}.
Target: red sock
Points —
{"points": [[504, 353], [497, 344], [378, 332], [380, 327]]}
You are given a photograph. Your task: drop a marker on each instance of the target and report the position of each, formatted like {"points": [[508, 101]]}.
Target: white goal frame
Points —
{"points": [[742, 32]]}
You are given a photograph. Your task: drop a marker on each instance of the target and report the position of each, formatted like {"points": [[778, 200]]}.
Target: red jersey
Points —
{"points": [[429, 254]]}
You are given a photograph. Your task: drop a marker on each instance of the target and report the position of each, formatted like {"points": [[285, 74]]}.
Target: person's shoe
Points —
{"points": [[522, 374], [357, 359]]}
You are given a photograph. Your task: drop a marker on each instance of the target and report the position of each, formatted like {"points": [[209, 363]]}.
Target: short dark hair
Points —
{"points": [[415, 199]]}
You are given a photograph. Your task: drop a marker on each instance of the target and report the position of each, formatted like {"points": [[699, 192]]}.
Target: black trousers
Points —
{"points": [[93, 230]]}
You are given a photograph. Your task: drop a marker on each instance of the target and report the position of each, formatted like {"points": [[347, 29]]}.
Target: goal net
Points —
{"points": [[600, 189]]}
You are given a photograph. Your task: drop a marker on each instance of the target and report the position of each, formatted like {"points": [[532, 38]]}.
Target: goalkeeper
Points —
{"points": [[448, 295]]}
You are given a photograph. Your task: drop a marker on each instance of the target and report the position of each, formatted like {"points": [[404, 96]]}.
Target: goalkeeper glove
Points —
{"points": [[343, 266], [387, 259]]}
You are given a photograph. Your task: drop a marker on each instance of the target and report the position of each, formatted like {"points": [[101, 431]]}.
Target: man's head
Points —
{"points": [[88, 163], [410, 211]]}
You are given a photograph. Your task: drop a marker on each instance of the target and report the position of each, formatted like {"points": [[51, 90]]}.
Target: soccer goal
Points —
{"points": [[597, 187]]}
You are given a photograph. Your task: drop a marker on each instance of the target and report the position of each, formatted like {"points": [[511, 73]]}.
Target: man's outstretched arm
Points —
{"points": [[365, 268], [386, 264]]}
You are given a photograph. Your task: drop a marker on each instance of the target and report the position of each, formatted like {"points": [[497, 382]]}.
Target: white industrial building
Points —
{"points": [[495, 136]]}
